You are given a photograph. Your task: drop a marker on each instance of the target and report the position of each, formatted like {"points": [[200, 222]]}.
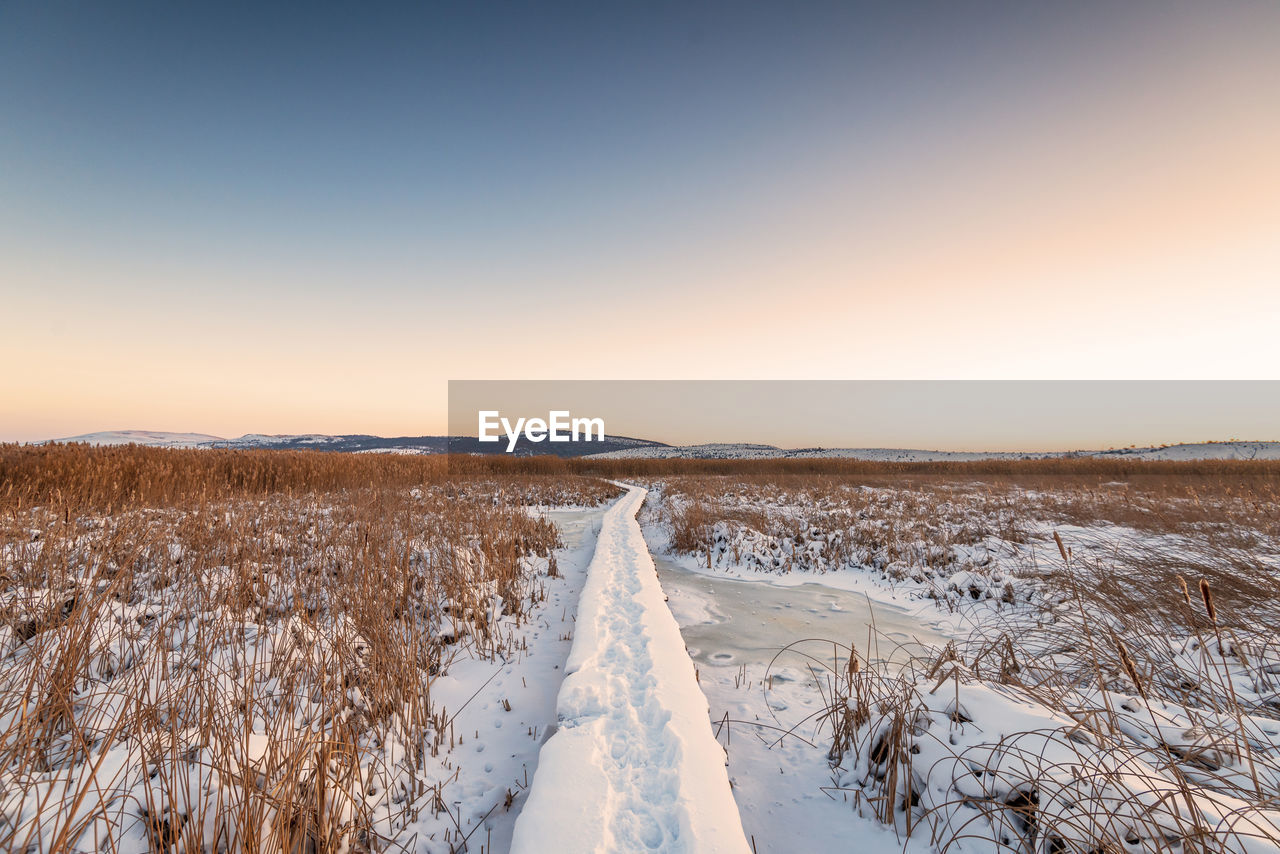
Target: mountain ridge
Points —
{"points": [[347, 443], [626, 447]]}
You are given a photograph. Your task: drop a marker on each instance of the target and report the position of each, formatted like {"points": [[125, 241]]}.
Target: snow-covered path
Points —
{"points": [[633, 765]]}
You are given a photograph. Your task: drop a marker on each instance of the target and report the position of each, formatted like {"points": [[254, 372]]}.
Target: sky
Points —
{"points": [[231, 218]]}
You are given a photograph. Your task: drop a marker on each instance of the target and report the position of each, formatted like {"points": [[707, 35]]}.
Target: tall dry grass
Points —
{"points": [[234, 651], [1070, 737], [1028, 473], [1121, 691], [1225, 530], [111, 478]]}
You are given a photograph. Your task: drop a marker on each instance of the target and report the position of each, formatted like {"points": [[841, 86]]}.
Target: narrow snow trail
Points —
{"points": [[633, 765]]}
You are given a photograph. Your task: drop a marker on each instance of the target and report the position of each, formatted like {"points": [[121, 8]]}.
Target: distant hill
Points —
{"points": [[624, 447], [1233, 450], [143, 437], [353, 443], [356, 443]]}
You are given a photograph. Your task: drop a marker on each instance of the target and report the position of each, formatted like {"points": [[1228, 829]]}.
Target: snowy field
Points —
{"points": [[258, 669], [965, 683], [205, 650]]}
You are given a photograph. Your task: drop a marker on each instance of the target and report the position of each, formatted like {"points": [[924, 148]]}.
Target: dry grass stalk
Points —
{"points": [[234, 651]]}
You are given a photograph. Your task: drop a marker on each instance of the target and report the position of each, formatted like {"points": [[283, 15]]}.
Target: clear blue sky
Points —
{"points": [[307, 217]]}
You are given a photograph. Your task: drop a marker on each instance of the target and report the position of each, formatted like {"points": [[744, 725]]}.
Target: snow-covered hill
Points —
{"points": [[1233, 450], [352, 443], [144, 437]]}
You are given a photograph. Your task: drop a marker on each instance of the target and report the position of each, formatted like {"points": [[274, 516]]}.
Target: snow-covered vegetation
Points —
{"points": [[224, 650], [1113, 678], [200, 653]]}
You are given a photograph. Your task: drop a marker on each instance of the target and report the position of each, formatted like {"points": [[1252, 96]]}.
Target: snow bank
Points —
{"points": [[633, 765]]}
